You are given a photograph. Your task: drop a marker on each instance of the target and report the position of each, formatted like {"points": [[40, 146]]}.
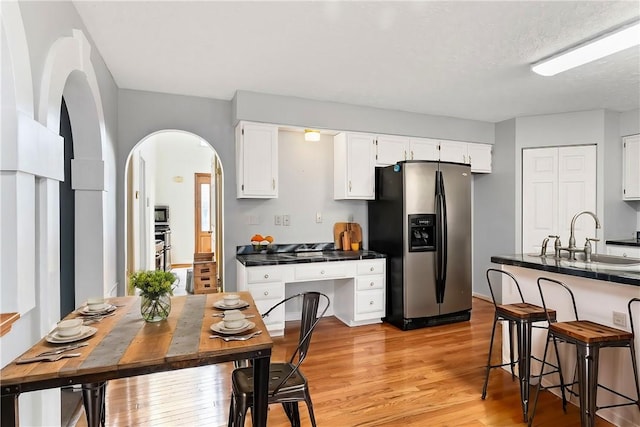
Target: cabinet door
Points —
{"points": [[391, 149], [424, 149], [453, 151], [631, 168], [479, 157], [360, 166], [354, 160], [257, 160]]}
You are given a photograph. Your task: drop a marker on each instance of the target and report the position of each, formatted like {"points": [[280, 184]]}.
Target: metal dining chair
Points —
{"points": [[287, 384]]}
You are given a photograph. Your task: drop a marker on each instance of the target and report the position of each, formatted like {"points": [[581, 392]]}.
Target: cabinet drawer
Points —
{"points": [[267, 291], [320, 271], [369, 302], [263, 274], [369, 282], [371, 267], [204, 269]]}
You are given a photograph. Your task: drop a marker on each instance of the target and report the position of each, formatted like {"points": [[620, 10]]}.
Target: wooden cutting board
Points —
{"points": [[340, 227]]}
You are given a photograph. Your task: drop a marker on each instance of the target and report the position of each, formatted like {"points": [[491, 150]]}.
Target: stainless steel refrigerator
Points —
{"points": [[421, 218]]}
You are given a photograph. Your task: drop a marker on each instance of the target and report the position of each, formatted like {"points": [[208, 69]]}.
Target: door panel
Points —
{"points": [[457, 188], [202, 211]]}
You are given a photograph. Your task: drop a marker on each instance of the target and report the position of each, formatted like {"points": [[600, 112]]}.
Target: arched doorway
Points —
{"points": [[162, 170]]}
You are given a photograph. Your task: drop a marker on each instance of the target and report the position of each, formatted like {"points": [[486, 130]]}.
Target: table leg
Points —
{"points": [[10, 415], [93, 397], [260, 390], [587, 383]]}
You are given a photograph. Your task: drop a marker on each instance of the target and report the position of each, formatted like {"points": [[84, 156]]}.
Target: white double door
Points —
{"points": [[557, 183]]}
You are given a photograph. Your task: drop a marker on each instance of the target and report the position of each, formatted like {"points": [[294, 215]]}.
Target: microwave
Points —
{"points": [[161, 215]]}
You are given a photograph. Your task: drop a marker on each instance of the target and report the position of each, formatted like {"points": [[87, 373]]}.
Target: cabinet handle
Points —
{"points": [[349, 185], [405, 154], [371, 268], [266, 276], [371, 284], [266, 293], [273, 183], [411, 154], [321, 271], [370, 302]]}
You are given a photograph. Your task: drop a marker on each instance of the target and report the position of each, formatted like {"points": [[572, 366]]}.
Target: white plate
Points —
{"points": [[222, 306], [85, 332], [107, 309], [219, 328]]}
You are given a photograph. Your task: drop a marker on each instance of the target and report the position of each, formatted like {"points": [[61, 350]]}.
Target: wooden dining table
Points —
{"points": [[124, 345]]}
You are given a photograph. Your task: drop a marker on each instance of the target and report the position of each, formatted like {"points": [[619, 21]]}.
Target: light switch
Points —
{"points": [[318, 217], [277, 219], [285, 220]]}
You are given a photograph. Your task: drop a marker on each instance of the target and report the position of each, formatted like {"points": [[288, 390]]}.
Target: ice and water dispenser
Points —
{"points": [[422, 233]]}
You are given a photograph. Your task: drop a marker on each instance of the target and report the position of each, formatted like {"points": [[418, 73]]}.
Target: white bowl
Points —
{"points": [[96, 303], [231, 300], [69, 328]]}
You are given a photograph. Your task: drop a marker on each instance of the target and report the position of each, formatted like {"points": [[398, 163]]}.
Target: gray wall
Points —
{"points": [[494, 208], [143, 113], [288, 110]]}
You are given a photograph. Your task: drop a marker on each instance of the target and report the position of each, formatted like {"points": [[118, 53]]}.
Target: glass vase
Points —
{"points": [[155, 309]]}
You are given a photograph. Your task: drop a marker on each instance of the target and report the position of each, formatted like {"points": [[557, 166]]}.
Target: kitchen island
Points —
{"points": [[354, 281], [600, 292]]}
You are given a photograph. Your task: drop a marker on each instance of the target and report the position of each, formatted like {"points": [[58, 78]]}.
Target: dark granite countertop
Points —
{"points": [[624, 242], [299, 253], [551, 264]]}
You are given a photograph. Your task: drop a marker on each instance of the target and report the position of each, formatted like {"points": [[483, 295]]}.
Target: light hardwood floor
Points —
{"points": [[372, 375]]}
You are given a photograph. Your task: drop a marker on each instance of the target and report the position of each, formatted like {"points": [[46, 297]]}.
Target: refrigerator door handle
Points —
{"points": [[443, 239]]}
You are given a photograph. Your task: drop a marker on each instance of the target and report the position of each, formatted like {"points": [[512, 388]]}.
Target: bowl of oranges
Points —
{"points": [[260, 242]]}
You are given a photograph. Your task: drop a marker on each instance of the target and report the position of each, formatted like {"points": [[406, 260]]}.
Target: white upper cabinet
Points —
{"points": [[475, 154], [631, 168], [453, 151], [257, 160], [479, 157], [354, 160], [424, 149], [391, 149]]}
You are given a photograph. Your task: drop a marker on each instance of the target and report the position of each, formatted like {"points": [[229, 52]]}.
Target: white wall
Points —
{"points": [[179, 156]]}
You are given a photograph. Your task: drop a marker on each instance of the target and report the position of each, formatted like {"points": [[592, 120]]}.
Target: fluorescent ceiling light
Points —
{"points": [[311, 135], [607, 44]]}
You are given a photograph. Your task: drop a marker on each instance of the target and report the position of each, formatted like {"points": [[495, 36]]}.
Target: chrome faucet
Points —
{"points": [[572, 249]]}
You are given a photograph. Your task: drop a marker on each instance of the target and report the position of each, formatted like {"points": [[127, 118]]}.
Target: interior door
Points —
{"points": [[202, 210]]}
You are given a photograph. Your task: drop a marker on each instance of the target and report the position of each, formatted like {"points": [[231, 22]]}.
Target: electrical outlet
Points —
{"points": [[318, 217], [285, 220], [350, 218], [277, 219], [620, 319]]}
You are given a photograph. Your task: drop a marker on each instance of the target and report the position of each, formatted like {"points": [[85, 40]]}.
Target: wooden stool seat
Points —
{"points": [[585, 331], [525, 311]]}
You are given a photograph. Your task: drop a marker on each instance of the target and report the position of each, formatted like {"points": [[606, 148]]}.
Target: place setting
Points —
{"points": [[231, 302], [71, 330], [233, 324]]}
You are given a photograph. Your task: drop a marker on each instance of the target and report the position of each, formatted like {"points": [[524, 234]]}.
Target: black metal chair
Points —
{"points": [[588, 337], [287, 384], [522, 315]]}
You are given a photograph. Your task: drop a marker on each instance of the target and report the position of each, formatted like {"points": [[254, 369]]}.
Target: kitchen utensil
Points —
{"points": [[95, 319], [52, 358], [236, 337], [63, 349], [246, 316]]}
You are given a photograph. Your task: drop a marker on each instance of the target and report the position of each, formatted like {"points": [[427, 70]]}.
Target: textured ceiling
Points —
{"points": [[461, 59]]}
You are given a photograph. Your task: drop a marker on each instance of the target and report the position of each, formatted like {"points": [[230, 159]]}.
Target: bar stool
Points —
{"points": [[588, 337], [522, 315]]}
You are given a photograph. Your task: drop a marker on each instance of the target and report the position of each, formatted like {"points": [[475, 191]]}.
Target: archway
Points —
{"points": [[161, 170]]}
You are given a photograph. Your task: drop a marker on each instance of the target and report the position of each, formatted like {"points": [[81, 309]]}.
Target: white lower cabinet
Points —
{"points": [[359, 289], [625, 251]]}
